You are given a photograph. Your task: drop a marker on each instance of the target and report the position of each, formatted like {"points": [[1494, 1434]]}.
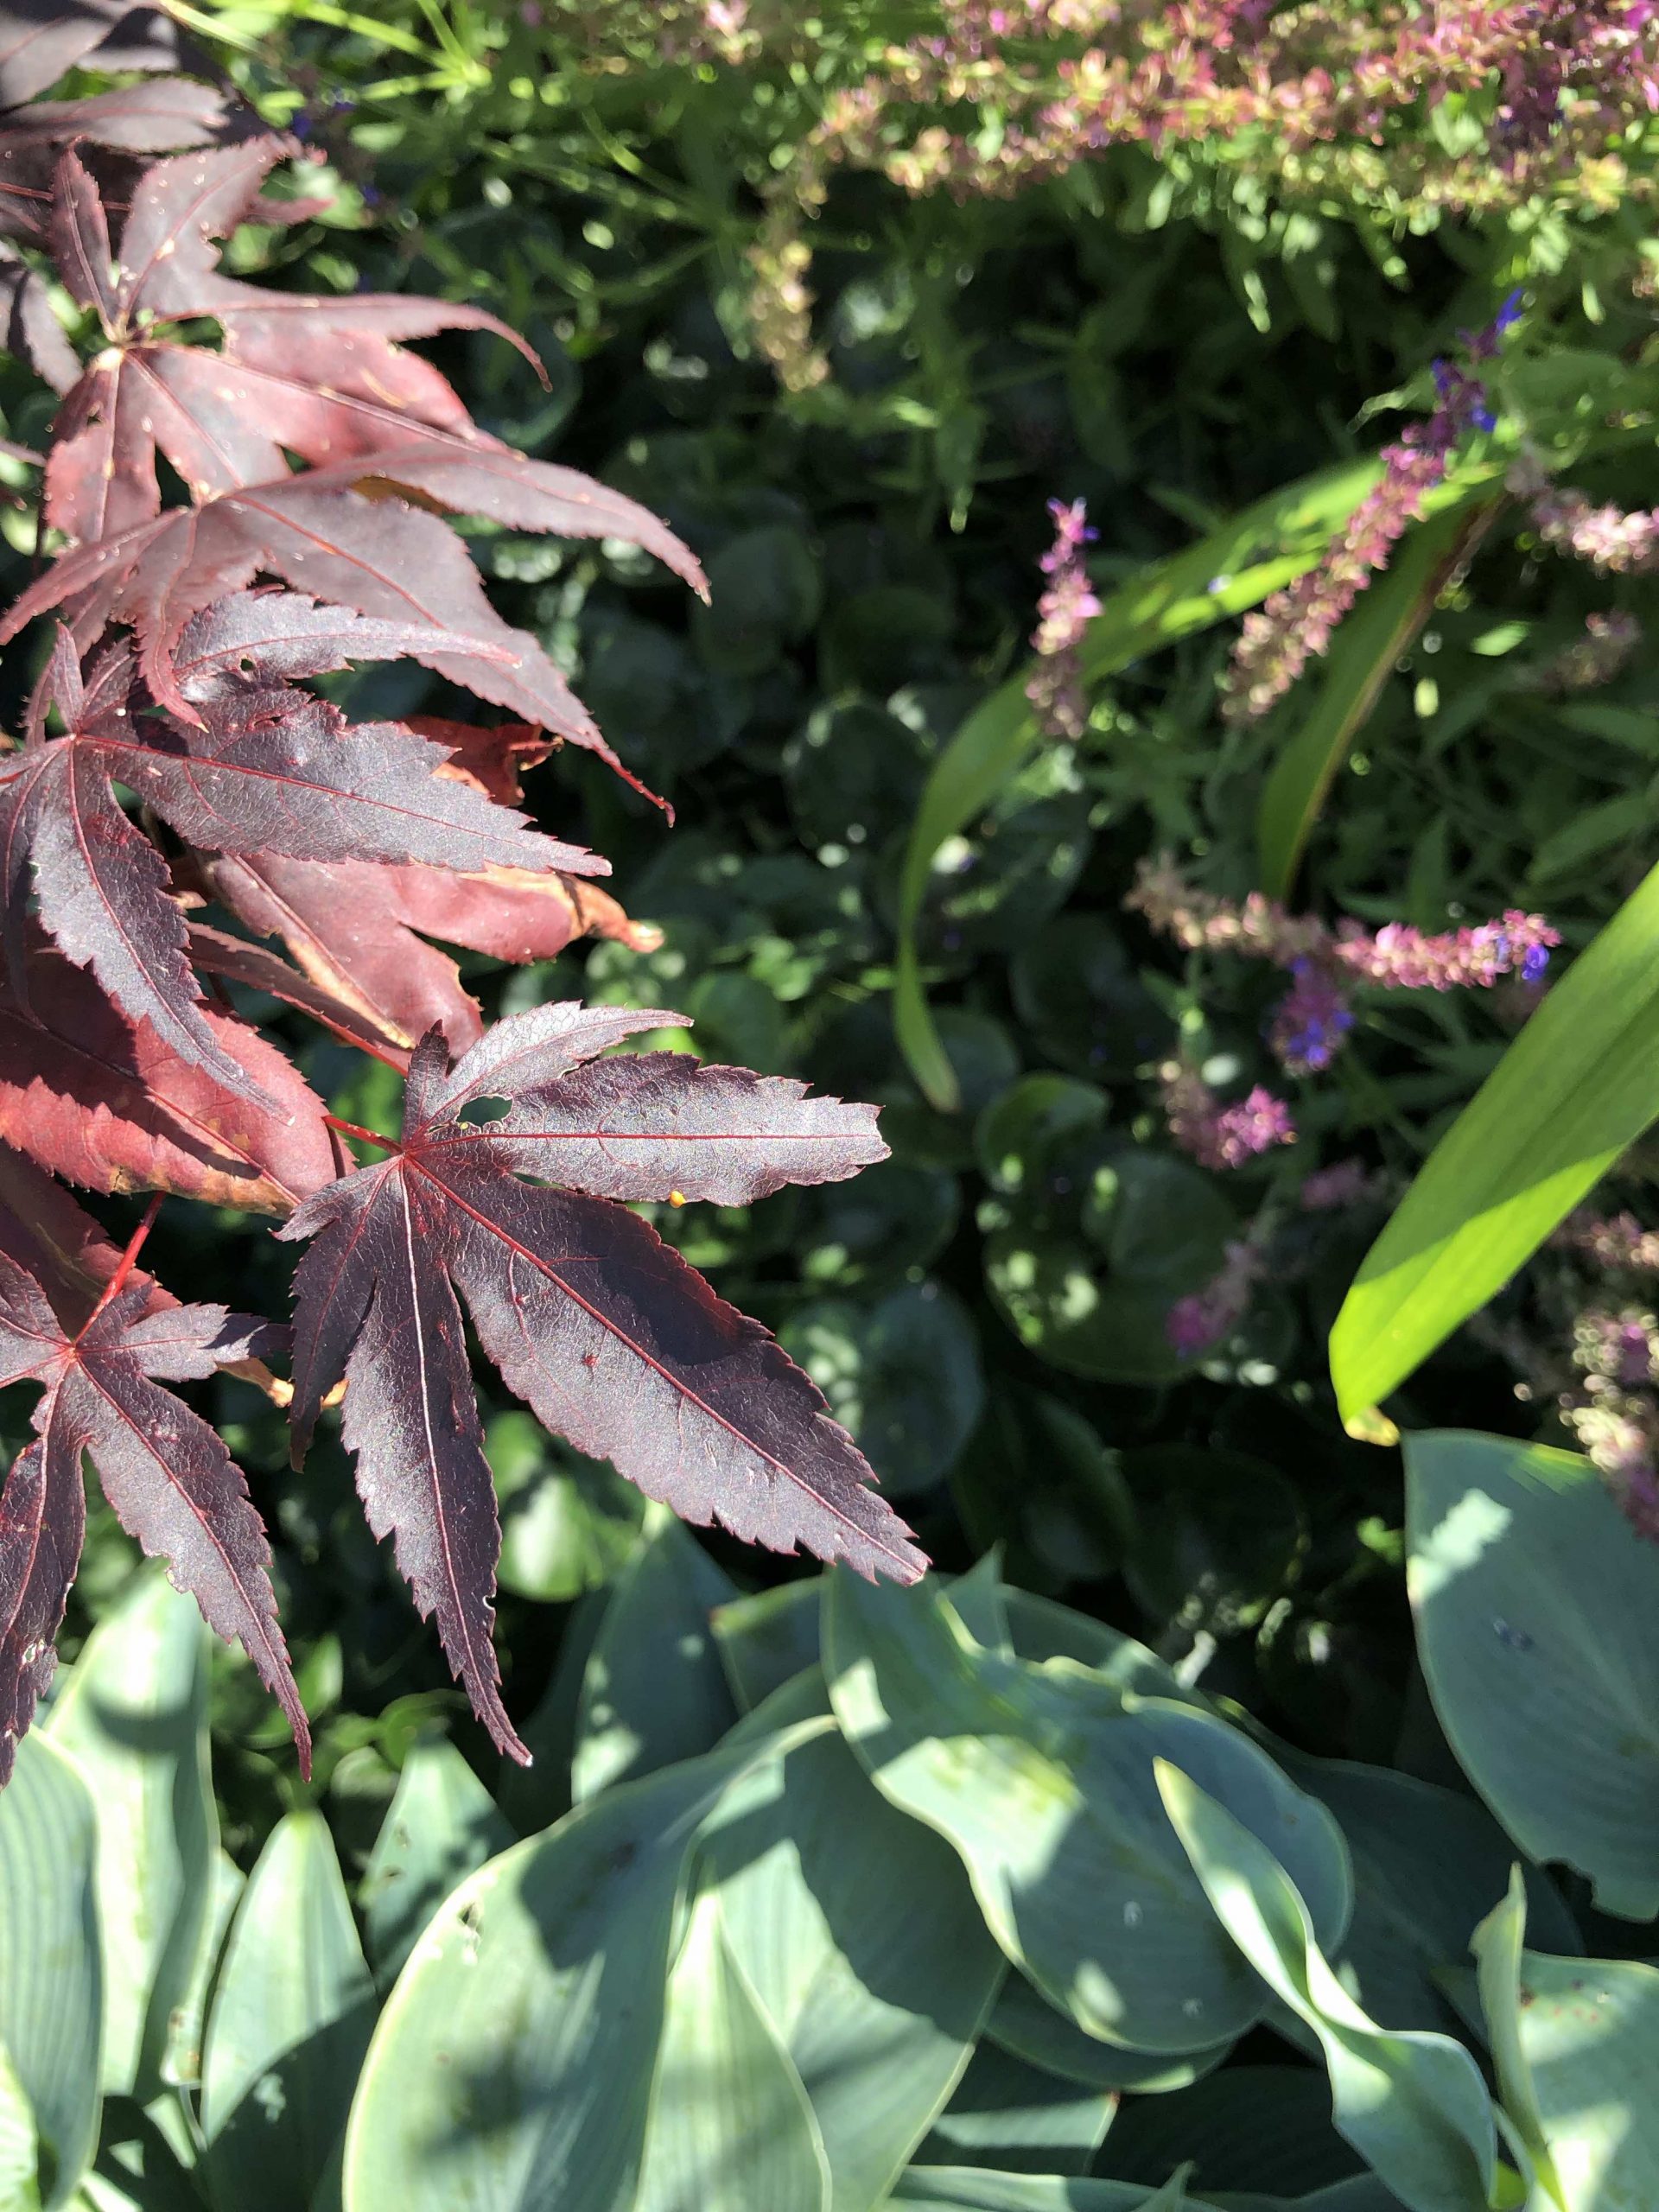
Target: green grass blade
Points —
{"points": [[1364, 651], [1577, 1087]]}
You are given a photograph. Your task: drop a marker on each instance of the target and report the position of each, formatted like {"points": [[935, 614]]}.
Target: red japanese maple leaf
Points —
{"points": [[148, 118], [322, 379], [265, 767], [108, 1106], [172, 1484], [360, 932], [41, 40], [613, 1341]]}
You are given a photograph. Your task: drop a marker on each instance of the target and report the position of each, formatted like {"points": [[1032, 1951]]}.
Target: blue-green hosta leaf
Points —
{"points": [[181, 2067], [1265, 2130], [1576, 2045], [1024, 2022], [441, 1826], [805, 1696], [858, 1931], [137, 2170], [1041, 1777], [730, 2129], [19, 2148], [51, 1996], [133, 1718], [1017, 2118], [291, 2013], [980, 2189], [1534, 1607], [1429, 1864], [653, 1689], [512, 2068], [1499, 1946], [1413, 2106], [765, 1640]]}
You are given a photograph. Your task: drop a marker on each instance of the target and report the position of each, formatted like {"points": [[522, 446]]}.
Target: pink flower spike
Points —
{"points": [[1064, 612], [1218, 1136], [1205, 1318]]}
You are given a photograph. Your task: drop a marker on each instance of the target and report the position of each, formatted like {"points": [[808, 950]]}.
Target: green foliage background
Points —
{"points": [[1202, 1568]]}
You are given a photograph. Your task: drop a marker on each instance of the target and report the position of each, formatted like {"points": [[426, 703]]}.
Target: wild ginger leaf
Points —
{"points": [[612, 1340], [172, 1484]]}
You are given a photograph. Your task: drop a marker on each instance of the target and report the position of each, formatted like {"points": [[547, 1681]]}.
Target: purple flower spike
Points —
{"points": [[1312, 1020]]}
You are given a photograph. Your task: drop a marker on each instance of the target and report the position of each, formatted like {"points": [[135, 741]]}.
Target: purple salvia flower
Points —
{"points": [[1398, 956], [1311, 1020]]}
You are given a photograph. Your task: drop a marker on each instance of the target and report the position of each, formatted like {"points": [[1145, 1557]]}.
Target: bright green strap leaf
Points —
{"points": [[441, 1827], [1577, 1087], [133, 1718], [291, 2014], [1413, 2106], [1041, 1778], [51, 1993], [1534, 1607], [19, 2148], [730, 2128], [1235, 568], [653, 1689], [1362, 656], [859, 1933]]}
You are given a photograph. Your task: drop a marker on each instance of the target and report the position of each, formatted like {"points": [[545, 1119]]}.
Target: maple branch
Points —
{"points": [[118, 1282]]}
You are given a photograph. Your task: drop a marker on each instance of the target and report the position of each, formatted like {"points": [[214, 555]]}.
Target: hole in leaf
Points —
{"points": [[479, 1111]]}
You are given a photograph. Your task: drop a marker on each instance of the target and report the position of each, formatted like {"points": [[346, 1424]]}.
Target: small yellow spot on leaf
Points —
{"points": [[1371, 1427]]}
